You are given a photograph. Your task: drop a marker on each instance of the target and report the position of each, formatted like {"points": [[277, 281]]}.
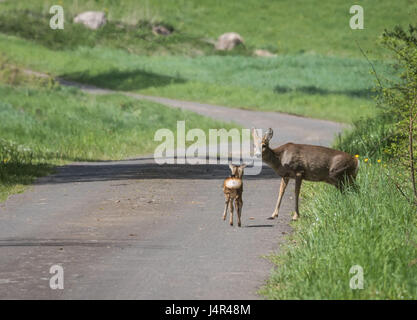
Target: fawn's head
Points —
{"points": [[237, 171], [261, 143]]}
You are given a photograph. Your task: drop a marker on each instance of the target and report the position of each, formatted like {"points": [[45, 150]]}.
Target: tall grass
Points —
{"points": [[374, 228], [370, 137], [77, 126]]}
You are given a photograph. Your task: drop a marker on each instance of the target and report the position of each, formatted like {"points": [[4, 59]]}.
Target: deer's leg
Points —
{"points": [[231, 212], [225, 207], [298, 180], [239, 205], [284, 183]]}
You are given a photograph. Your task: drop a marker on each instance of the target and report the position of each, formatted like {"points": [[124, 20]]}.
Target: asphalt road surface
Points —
{"points": [[136, 230]]}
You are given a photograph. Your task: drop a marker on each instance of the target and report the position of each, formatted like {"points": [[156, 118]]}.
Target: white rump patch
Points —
{"points": [[233, 183]]}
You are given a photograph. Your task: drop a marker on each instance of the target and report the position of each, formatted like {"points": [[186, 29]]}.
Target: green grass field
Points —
{"points": [[319, 71], [332, 88], [286, 26]]}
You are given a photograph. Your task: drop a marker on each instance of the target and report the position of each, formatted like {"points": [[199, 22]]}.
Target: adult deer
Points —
{"points": [[305, 162]]}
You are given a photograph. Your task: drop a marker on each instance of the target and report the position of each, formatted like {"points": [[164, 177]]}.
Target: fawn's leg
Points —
{"points": [[298, 180], [225, 207], [284, 183], [231, 212], [239, 205]]}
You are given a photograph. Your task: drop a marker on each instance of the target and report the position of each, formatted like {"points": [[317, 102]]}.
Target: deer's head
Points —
{"points": [[237, 171], [261, 143]]}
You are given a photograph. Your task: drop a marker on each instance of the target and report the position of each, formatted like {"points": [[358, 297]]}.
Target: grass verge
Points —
{"points": [[374, 228]]}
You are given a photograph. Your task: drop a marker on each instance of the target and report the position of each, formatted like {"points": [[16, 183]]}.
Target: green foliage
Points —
{"points": [[374, 228], [391, 133], [386, 134], [400, 99], [19, 165], [370, 137]]}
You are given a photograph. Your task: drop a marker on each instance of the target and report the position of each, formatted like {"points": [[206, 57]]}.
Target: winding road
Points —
{"points": [[135, 230]]}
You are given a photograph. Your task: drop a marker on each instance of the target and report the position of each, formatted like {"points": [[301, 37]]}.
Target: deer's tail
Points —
{"points": [[357, 166]]}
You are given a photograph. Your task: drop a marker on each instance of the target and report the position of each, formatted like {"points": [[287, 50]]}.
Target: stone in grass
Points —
{"points": [[91, 19], [228, 41], [264, 53], [162, 30]]}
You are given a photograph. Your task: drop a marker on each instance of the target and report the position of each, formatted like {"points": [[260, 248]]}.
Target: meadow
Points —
{"points": [[319, 70], [43, 125], [333, 88], [285, 26], [374, 228]]}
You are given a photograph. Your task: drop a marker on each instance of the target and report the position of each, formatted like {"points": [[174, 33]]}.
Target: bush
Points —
{"points": [[369, 137]]}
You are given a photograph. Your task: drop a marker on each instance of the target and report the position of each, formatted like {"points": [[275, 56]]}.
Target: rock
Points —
{"points": [[263, 53], [91, 19], [228, 41], [161, 30]]}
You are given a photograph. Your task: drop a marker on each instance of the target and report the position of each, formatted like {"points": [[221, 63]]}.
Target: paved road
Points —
{"points": [[135, 230]]}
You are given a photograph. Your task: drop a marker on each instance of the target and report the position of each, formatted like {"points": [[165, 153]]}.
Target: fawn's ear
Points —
{"points": [[231, 166], [243, 165], [240, 170], [268, 135]]}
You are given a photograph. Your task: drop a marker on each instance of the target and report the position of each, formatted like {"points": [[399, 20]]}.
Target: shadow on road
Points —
{"points": [[126, 170], [36, 242], [260, 226]]}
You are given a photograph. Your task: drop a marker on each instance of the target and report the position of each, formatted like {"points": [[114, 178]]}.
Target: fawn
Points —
{"points": [[233, 188], [305, 162]]}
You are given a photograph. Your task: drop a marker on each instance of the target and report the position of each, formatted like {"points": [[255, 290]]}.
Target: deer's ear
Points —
{"points": [[231, 166], [243, 165], [268, 135], [254, 133]]}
